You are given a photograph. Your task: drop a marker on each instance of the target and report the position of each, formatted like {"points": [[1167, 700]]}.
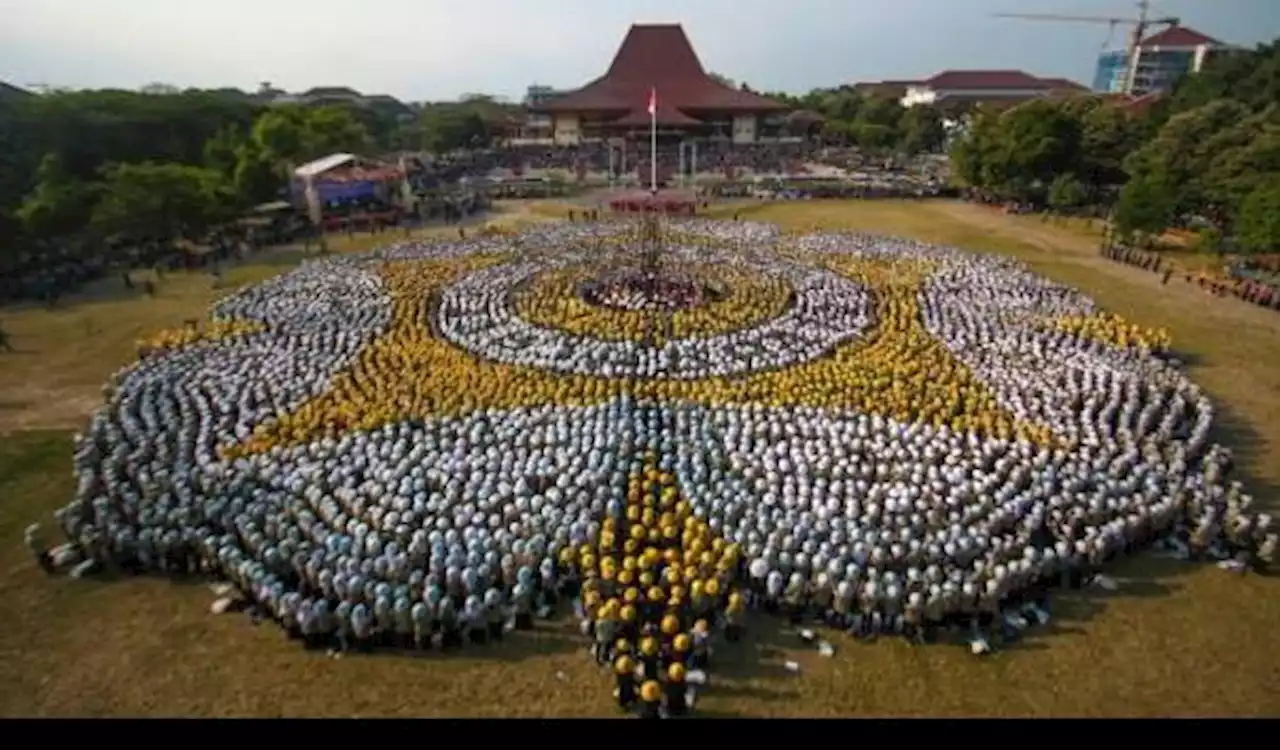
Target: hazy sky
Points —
{"points": [[438, 49]]}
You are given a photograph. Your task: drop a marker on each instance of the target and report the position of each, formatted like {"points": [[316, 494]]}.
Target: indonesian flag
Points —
{"points": [[653, 101]]}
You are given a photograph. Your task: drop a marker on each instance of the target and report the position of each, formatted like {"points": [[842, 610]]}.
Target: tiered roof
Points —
{"points": [[659, 57]]}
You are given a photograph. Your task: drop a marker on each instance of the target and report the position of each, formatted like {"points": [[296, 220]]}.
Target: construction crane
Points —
{"points": [[1134, 49]]}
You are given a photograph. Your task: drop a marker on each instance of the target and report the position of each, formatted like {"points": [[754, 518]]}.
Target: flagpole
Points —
{"points": [[653, 140]]}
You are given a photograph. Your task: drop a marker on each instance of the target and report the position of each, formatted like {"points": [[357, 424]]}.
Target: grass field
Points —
{"points": [[1176, 640]]}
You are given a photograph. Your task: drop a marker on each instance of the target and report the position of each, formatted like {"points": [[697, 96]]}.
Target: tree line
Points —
{"points": [[78, 167], [83, 165], [873, 122], [1207, 156]]}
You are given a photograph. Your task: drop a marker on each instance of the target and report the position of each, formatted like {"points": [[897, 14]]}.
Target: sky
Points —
{"points": [[434, 50]]}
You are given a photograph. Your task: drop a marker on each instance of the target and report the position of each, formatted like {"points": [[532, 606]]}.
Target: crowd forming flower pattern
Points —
{"points": [[424, 441]]}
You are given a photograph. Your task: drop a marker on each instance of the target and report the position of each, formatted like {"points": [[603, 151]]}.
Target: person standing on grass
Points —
{"points": [[36, 544]]}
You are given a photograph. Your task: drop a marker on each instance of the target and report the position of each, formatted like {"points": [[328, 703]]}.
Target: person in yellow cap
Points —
{"points": [[699, 646], [670, 627], [606, 631], [679, 651], [677, 702], [590, 605], [627, 620], [651, 700], [712, 605], [654, 602], [624, 672], [568, 576], [733, 615], [650, 658], [697, 600]]}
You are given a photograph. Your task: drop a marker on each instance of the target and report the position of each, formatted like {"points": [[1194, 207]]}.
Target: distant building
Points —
{"points": [[965, 87], [690, 103], [1163, 58], [892, 89], [538, 94]]}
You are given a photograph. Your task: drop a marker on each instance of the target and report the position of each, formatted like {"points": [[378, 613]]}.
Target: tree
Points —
{"points": [[220, 150], [444, 128], [921, 130], [1067, 194], [60, 204], [1247, 155], [1183, 153], [1258, 227], [161, 201], [872, 136], [256, 178], [1108, 135], [723, 80], [1250, 78], [1146, 205]]}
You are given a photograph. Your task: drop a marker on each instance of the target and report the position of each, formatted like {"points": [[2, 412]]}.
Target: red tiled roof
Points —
{"points": [[1141, 103], [1178, 36], [666, 115], [883, 85], [1064, 84], [658, 56], [1131, 102], [959, 80]]}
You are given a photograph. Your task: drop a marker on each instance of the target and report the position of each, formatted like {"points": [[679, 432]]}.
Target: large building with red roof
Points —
{"points": [[966, 87], [690, 103], [1163, 58]]}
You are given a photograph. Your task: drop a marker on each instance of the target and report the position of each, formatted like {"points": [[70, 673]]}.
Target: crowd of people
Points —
{"points": [[907, 445], [1255, 291], [631, 158], [46, 272]]}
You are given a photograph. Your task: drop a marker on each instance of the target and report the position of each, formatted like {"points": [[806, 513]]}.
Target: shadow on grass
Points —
{"points": [[758, 658], [1249, 450]]}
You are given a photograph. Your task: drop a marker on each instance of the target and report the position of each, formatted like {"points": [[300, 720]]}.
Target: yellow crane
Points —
{"points": [[1134, 48]]}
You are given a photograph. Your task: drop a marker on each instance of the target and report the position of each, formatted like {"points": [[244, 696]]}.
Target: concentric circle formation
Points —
{"points": [[475, 314], [435, 434], [711, 300]]}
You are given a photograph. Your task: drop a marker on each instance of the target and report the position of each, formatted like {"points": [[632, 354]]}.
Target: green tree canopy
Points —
{"points": [[157, 200], [1067, 193], [1146, 205], [1259, 223]]}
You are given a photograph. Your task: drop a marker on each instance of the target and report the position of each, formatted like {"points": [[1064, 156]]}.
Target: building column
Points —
{"points": [[683, 145]]}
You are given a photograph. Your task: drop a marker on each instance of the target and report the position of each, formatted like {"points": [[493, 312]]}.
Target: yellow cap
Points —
{"points": [[651, 691], [681, 642], [624, 665], [675, 673], [670, 625]]}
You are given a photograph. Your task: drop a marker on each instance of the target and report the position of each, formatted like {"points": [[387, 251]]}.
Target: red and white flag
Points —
{"points": [[653, 101]]}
